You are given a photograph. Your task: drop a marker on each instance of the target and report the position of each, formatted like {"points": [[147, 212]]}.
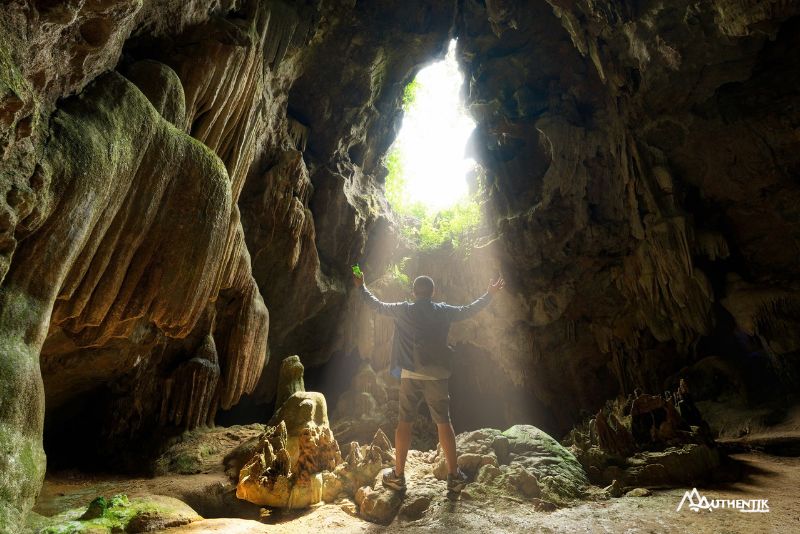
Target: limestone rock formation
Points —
{"points": [[613, 122], [363, 463], [360, 477], [274, 478], [98, 290], [646, 441], [297, 446]]}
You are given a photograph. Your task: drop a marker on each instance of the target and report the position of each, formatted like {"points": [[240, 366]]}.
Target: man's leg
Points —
{"points": [[437, 395], [402, 442], [447, 437], [409, 397]]}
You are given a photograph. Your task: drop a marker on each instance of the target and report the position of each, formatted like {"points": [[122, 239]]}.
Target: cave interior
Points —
{"points": [[186, 185]]}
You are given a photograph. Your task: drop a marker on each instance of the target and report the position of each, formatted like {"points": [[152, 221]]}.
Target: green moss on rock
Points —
{"points": [[120, 514], [560, 476]]}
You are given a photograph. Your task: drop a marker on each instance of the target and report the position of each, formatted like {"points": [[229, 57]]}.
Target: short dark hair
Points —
{"points": [[423, 287]]}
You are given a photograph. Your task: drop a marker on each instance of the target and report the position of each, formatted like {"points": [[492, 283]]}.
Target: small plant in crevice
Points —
{"points": [[410, 94], [397, 273]]}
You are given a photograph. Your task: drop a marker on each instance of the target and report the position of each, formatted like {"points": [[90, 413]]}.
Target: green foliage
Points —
{"points": [[119, 499], [428, 229], [398, 273], [105, 515], [410, 94], [453, 225], [395, 181]]}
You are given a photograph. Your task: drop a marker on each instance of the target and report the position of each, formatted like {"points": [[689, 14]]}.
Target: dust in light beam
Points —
{"points": [[433, 137]]}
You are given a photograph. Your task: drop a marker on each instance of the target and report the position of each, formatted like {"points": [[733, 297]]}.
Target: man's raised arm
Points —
{"points": [[383, 308], [459, 313]]}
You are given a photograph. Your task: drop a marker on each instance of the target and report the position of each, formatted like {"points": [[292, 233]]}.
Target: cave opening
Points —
{"points": [[433, 184], [429, 154], [440, 227]]}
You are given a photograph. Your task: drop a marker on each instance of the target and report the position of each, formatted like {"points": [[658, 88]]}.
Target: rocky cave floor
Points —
{"points": [[209, 491]]}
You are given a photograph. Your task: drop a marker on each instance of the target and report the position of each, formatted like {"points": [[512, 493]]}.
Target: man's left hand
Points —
{"points": [[495, 286]]}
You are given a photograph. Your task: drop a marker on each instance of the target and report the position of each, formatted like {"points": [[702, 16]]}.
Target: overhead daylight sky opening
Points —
{"points": [[432, 139]]}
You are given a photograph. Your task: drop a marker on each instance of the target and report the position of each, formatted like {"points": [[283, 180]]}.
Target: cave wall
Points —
{"points": [[158, 168], [643, 166]]}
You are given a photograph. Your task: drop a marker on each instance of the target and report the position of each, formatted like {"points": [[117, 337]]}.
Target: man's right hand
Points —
{"points": [[358, 280], [495, 286]]}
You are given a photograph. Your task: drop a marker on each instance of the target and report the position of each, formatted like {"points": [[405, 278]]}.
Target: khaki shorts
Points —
{"points": [[436, 394]]}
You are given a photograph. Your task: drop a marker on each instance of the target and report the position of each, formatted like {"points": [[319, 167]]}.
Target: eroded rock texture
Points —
{"points": [[648, 440], [642, 162], [141, 207]]}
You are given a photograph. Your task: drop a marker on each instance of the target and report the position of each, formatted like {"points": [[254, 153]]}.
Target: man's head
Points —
{"points": [[423, 287]]}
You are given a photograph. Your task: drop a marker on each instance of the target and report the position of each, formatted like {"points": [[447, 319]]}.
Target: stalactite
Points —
{"points": [[189, 399], [299, 133]]}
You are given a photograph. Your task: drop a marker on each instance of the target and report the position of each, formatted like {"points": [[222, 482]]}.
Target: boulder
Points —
{"points": [[639, 492], [522, 462], [559, 474], [120, 514], [512, 479], [378, 505], [486, 446], [615, 489]]}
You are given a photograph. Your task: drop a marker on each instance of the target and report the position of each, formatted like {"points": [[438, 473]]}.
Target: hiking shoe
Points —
{"points": [[392, 481], [457, 482]]}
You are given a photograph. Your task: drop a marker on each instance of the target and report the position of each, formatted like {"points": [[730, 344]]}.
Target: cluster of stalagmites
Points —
{"points": [[297, 461], [647, 440]]}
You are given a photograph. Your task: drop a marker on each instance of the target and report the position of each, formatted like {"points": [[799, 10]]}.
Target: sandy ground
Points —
{"points": [[765, 477]]}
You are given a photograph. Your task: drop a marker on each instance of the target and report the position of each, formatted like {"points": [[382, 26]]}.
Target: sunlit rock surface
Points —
{"points": [[286, 470]]}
